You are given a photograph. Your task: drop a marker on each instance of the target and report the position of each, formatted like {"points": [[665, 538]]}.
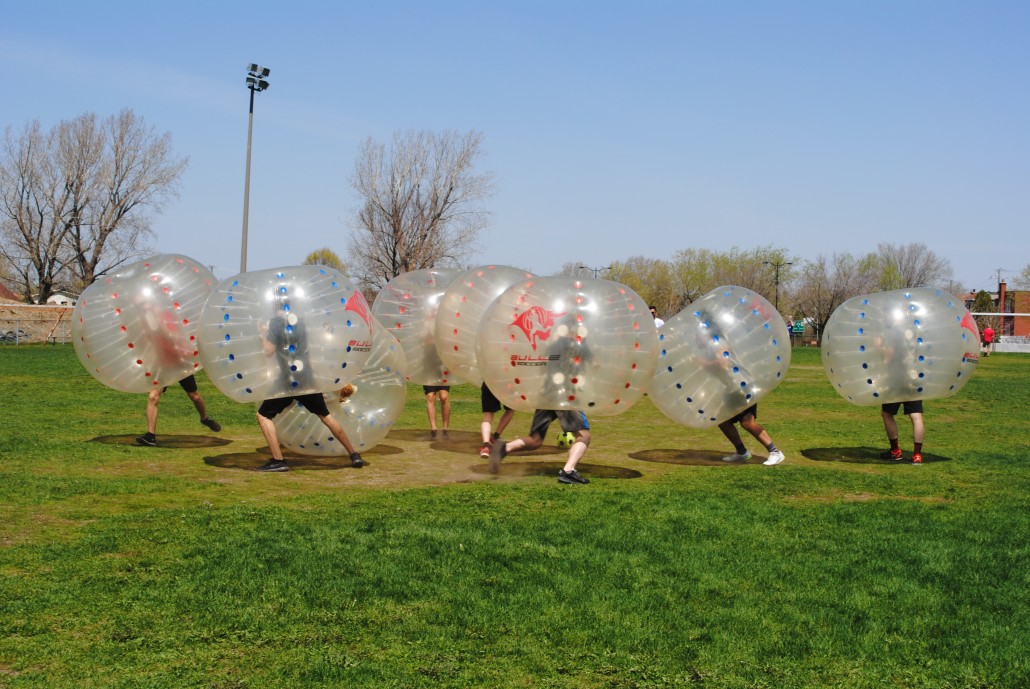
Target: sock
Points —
{"points": [[894, 444], [771, 447], [919, 448]]}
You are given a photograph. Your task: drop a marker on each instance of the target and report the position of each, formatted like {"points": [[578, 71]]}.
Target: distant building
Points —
{"points": [[1008, 301]]}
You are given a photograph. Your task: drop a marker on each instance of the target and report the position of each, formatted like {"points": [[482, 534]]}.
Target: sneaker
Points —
{"points": [[737, 457], [432, 434], [148, 439], [571, 477], [446, 433], [356, 461], [894, 455], [212, 424], [497, 453], [775, 457], [484, 452], [917, 457], [274, 465]]}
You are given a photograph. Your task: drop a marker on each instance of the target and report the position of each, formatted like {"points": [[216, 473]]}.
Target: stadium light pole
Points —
{"points": [[257, 81], [596, 270], [776, 278]]}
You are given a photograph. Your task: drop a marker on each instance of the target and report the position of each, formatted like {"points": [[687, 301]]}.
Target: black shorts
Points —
{"points": [[571, 421], [434, 388], [752, 410], [313, 402], [489, 401], [189, 384], [913, 407]]}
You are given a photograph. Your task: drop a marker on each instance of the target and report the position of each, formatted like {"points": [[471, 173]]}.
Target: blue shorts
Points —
{"points": [[571, 421]]}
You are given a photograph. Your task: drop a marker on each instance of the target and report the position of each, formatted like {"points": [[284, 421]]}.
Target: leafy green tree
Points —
{"points": [[984, 303], [325, 257]]}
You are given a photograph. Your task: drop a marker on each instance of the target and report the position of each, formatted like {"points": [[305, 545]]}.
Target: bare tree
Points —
{"points": [[652, 279], [1022, 279], [73, 201], [33, 223], [421, 201], [911, 265], [824, 285], [121, 171]]}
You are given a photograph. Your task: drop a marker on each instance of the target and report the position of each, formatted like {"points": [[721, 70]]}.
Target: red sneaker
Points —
{"points": [[917, 458], [484, 452], [894, 455]]}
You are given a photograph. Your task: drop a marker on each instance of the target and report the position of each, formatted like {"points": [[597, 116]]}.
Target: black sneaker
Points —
{"points": [[432, 434], [497, 453], [148, 439], [212, 424], [356, 461], [446, 433], [274, 465], [571, 477]]}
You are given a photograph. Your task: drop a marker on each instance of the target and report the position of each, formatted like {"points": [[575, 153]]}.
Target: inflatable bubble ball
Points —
{"points": [[461, 310], [900, 346], [719, 356], [567, 343], [284, 332], [135, 330]]}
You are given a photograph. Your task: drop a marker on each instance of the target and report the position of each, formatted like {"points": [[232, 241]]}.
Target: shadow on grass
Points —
{"points": [[249, 461], [704, 458], [863, 455], [178, 442], [519, 469]]}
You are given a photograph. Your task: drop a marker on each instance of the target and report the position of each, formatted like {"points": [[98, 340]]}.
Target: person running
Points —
{"points": [[491, 405], [189, 385], [914, 410], [748, 421], [443, 392], [574, 422]]}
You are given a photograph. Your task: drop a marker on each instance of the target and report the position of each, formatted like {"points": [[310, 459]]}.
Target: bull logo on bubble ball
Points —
{"points": [[536, 323]]}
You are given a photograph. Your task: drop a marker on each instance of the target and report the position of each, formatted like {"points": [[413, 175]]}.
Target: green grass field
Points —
{"points": [[179, 566]]}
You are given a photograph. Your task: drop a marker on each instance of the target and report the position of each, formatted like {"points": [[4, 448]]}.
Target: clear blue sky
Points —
{"points": [[614, 129]]}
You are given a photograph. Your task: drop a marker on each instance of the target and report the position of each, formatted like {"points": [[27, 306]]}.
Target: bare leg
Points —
{"points": [[486, 426], [890, 424], [752, 426], [153, 399], [506, 418], [431, 409], [198, 402], [917, 428], [729, 429], [578, 449], [337, 430], [445, 406], [271, 437]]}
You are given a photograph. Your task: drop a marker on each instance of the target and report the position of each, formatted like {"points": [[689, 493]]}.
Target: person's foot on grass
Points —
{"points": [[484, 451], [775, 457], [738, 457], [148, 439], [917, 457], [274, 465], [212, 424], [893, 455], [571, 477], [356, 461]]}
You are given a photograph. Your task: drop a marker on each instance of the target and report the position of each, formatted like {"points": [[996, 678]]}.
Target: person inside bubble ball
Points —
{"points": [[444, 393], [748, 421], [914, 411], [281, 340], [658, 322], [491, 405], [189, 385], [572, 421]]}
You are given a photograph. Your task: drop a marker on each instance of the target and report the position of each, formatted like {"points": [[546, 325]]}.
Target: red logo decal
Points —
{"points": [[536, 323], [358, 305]]}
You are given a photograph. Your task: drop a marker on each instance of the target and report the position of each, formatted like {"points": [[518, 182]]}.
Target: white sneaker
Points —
{"points": [[737, 457], [775, 457]]}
